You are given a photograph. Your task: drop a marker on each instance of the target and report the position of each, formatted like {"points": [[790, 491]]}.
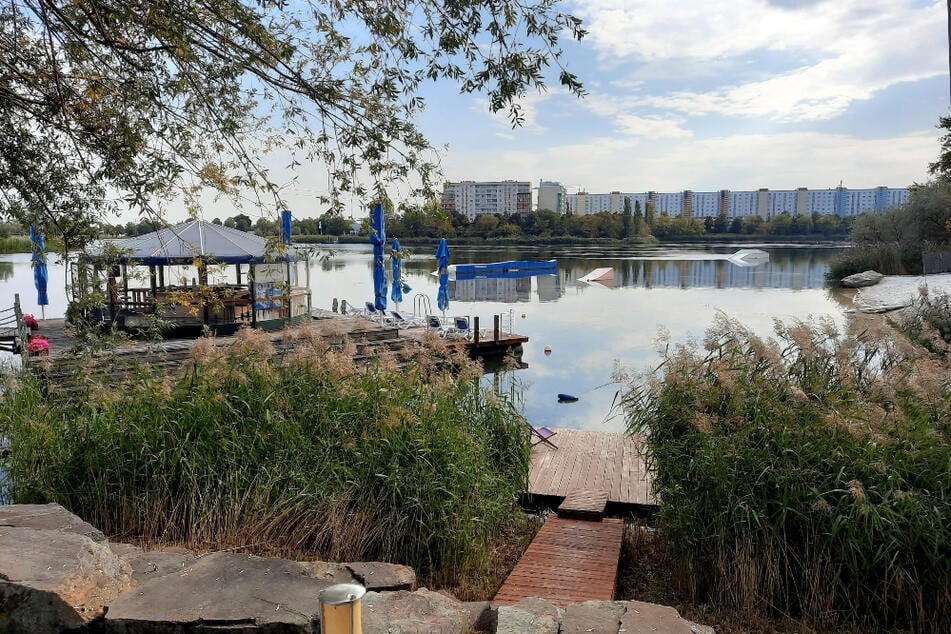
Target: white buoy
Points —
{"points": [[547, 351]]}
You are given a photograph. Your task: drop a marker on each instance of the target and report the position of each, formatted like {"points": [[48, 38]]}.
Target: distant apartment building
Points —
{"points": [[475, 198], [552, 196], [763, 202]]}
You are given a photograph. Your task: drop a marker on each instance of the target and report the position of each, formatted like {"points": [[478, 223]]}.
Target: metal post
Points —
{"points": [[340, 609], [475, 330], [495, 328]]}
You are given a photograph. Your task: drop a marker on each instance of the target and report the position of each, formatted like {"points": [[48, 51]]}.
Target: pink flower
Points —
{"points": [[38, 344], [30, 321]]}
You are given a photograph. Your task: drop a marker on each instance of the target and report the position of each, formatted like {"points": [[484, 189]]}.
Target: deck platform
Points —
{"points": [[569, 561], [591, 461], [584, 504]]}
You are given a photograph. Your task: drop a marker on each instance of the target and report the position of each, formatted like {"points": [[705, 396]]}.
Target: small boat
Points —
{"points": [[567, 398]]}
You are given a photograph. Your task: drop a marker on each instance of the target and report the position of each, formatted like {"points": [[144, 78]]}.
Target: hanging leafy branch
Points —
{"points": [[108, 104]]}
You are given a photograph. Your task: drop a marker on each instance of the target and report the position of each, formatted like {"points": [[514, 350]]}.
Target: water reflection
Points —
{"points": [[589, 327]]}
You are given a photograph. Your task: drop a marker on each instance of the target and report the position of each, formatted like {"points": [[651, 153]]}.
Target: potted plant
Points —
{"points": [[31, 322], [38, 346]]}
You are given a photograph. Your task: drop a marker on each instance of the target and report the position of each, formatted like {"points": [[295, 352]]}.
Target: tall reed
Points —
{"points": [[807, 475], [306, 455]]}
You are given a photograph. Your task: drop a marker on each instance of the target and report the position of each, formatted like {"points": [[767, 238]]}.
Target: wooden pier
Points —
{"points": [[170, 354], [569, 561], [576, 554], [595, 462]]}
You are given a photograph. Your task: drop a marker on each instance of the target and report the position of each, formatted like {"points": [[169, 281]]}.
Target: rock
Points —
{"points": [[860, 280], [417, 612], [230, 591], [593, 617], [156, 563], [380, 576], [641, 618], [48, 517], [55, 580], [529, 616]]}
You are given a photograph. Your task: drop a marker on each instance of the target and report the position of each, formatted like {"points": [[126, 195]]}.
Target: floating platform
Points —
{"points": [[592, 461]]}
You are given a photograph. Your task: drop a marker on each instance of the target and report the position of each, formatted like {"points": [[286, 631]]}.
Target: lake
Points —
{"points": [[589, 327]]}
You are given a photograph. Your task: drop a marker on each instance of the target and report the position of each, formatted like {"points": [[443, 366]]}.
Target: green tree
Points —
{"points": [[941, 168], [721, 223], [109, 104], [627, 218]]}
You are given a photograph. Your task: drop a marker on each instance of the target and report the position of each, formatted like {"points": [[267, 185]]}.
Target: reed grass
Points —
{"points": [[306, 455], [805, 476]]}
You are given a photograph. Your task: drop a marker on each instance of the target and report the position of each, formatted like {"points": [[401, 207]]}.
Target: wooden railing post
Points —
{"points": [[23, 338]]}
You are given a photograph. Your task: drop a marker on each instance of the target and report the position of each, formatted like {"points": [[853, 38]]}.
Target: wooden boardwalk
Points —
{"points": [[592, 461], [569, 561]]}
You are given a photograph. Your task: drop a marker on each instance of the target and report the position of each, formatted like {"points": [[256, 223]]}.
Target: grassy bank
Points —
{"points": [[807, 477], [309, 457], [22, 244]]}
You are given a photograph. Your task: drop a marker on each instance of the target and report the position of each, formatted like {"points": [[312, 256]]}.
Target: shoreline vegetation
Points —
{"points": [[21, 244], [806, 477], [309, 457]]}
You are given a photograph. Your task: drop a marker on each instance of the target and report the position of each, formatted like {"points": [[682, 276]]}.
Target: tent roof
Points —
{"points": [[182, 243]]}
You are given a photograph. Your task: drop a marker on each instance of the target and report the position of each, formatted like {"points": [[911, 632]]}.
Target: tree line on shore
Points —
{"points": [[431, 221]]}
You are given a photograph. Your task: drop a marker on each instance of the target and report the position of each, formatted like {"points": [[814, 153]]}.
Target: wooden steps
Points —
{"points": [[584, 504], [569, 561]]}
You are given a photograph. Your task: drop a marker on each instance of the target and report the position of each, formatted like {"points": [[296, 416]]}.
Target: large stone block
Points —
{"points": [[529, 616], [593, 617], [644, 618], [47, 517], [382, 576], [54, 580], [229, 591], [418, 612], [860, 280]]}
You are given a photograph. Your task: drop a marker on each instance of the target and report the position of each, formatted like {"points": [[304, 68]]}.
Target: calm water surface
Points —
{"points": [[589, 328]]}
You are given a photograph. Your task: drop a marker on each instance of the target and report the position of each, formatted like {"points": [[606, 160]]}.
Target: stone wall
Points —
{"points": [[59, 574]]}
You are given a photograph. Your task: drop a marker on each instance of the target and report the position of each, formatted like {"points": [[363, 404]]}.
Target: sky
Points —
{"points": [[707, 95], [721, 94]]}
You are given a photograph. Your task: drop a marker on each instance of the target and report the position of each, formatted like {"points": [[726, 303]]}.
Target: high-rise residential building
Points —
{"points": [[552, 196], [475, 198]]}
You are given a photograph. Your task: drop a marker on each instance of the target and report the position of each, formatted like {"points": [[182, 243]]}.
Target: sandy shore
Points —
{"points": [[896, 290]]}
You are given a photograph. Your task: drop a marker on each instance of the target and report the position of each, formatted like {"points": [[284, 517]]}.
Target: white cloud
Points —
{"points": [[856, 48], [741, 162]]}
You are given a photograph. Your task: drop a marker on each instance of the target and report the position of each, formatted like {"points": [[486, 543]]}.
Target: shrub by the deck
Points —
{"points": [[807, 476], [306, 455]]}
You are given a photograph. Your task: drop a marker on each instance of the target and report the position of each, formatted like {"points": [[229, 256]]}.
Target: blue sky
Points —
{"points": [[702, 95], [721, 94]]}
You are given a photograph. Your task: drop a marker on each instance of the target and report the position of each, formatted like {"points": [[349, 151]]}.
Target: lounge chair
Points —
{"points": [[406, 321], [544, 435]]}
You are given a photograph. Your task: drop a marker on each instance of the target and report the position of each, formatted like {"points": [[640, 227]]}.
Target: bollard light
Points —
{"points": [[340, 609]]}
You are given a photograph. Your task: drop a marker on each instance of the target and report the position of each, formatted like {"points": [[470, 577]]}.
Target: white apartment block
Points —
{"points": [[551, 196], [472, 198], [764, 202]]}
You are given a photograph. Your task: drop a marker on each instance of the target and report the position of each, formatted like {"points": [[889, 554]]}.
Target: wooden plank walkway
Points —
{"points": [[569, 561], [593, 461]]}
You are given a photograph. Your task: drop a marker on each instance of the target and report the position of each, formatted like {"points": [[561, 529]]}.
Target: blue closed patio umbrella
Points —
{"points": [[41, 276], [396, 264], [378, 238], [442, 264]]}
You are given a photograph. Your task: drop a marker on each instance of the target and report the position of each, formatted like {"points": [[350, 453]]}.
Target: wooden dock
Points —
{"points": [[569, 561], [591, 461]]}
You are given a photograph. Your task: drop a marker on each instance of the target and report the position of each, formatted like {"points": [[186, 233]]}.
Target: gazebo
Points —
{"points": [[198, 275]]}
